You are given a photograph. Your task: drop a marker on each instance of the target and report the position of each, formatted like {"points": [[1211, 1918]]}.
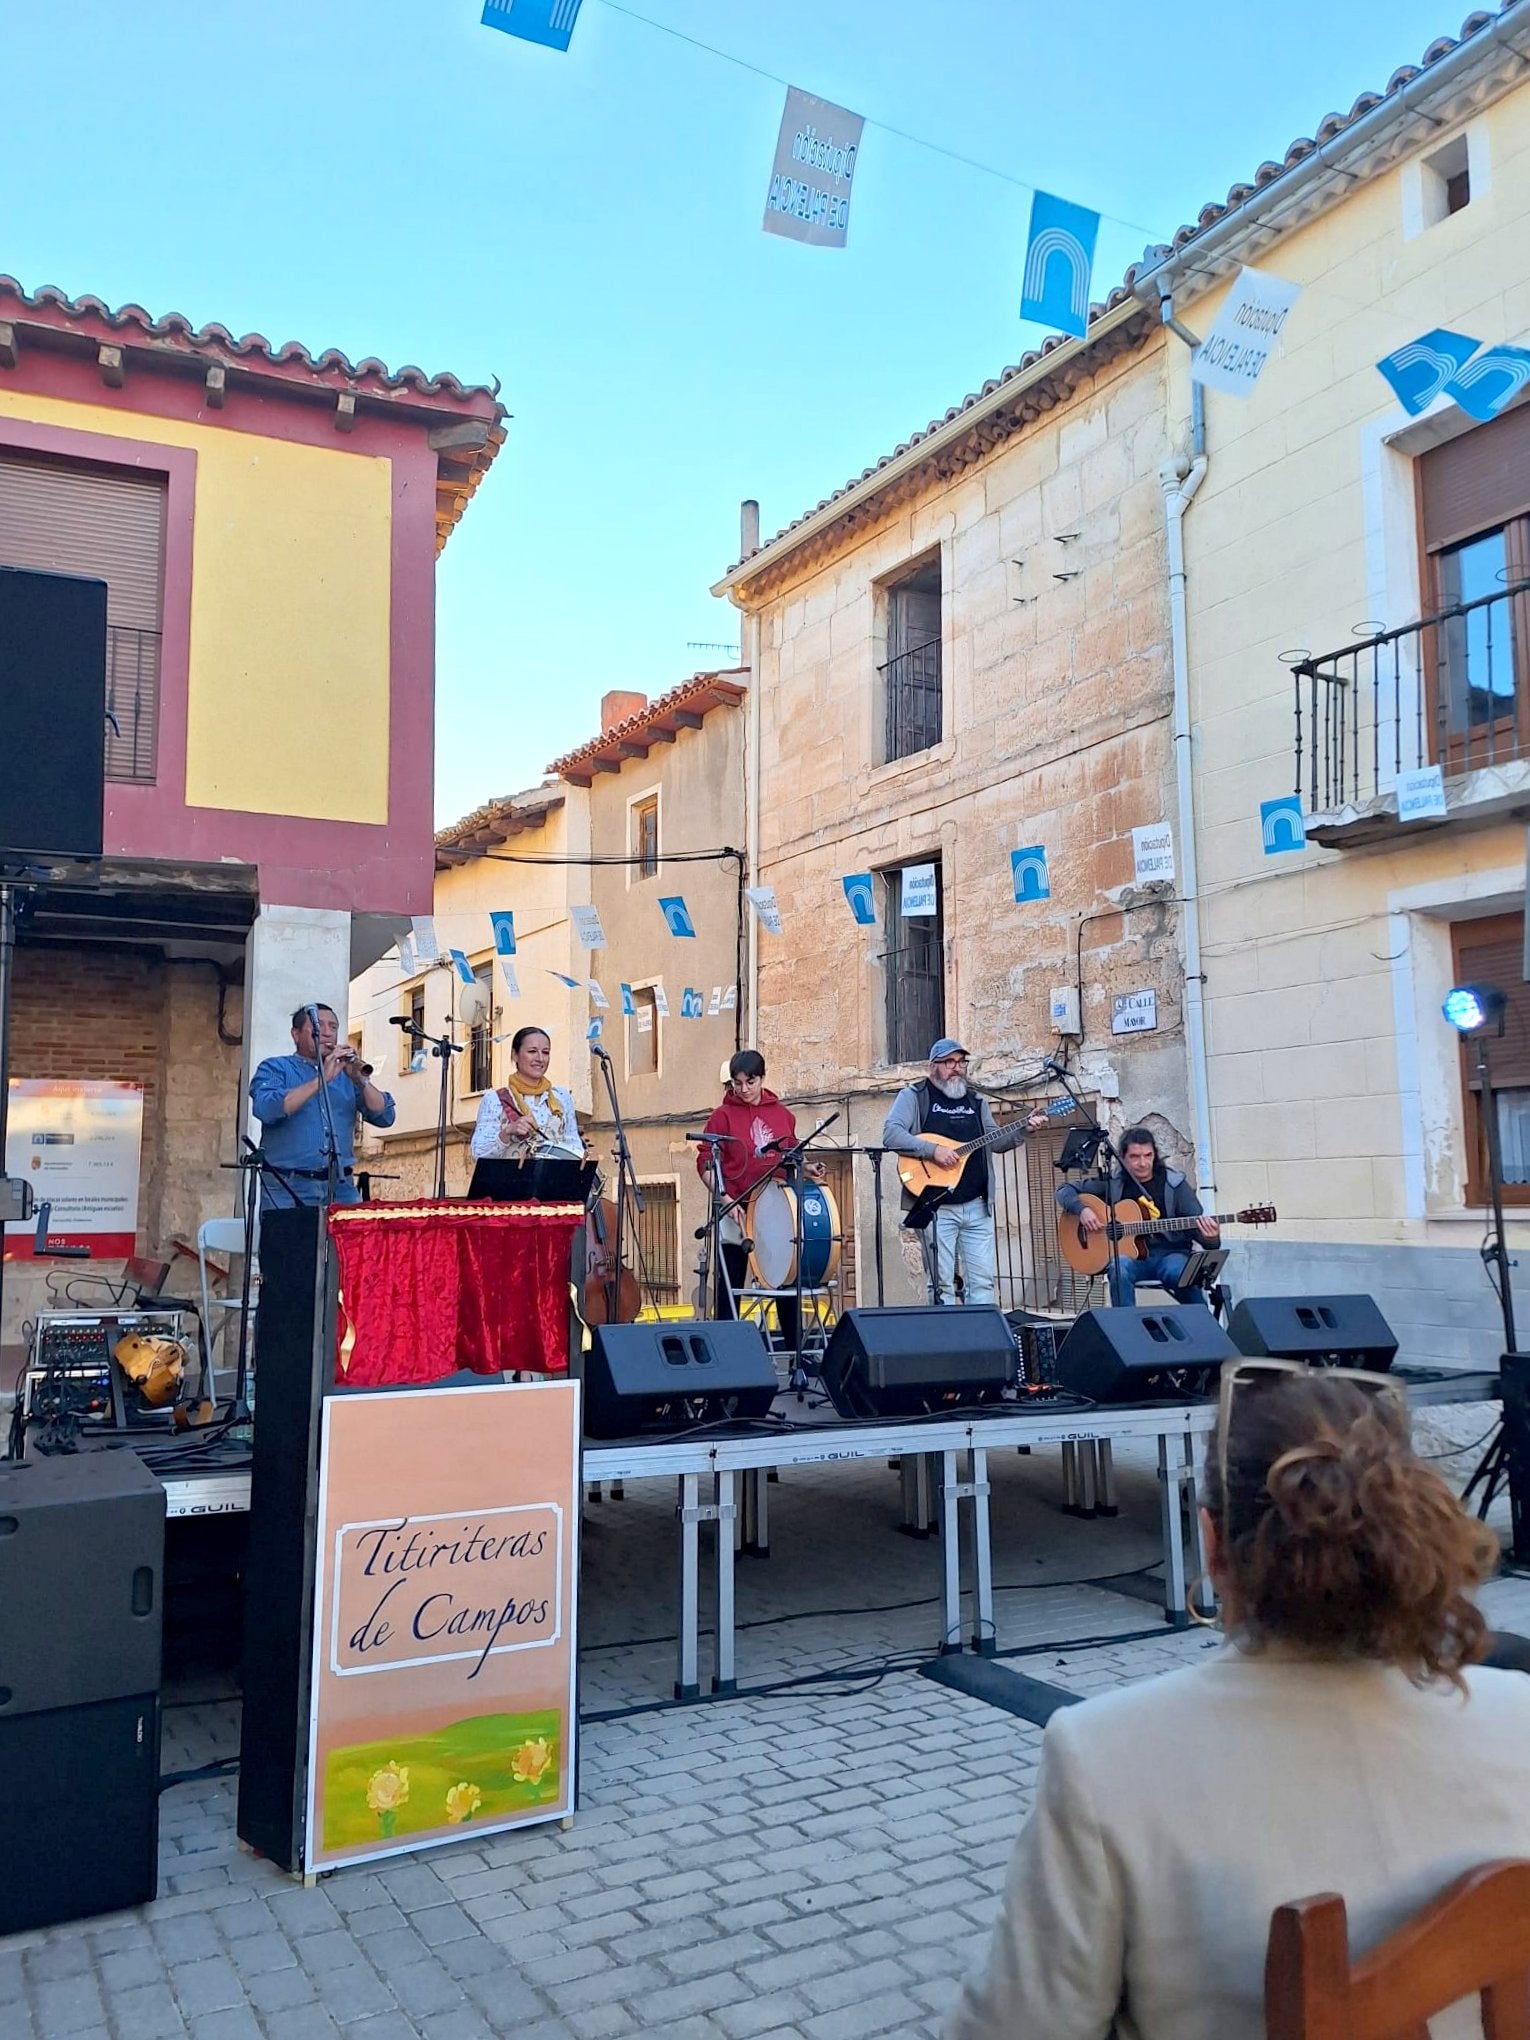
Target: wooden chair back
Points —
{"points": [[1474, 1939]]}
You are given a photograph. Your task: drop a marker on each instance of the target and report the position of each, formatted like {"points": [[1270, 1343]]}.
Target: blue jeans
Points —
{"points": [[964, 1237], [1163, 1266]]}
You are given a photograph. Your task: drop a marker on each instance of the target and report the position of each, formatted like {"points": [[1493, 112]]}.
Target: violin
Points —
{"points": [[612, 1293]]}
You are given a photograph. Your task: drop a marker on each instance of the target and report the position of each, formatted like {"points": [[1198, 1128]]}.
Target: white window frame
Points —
{"points": [[654, 793], [648, 984]]}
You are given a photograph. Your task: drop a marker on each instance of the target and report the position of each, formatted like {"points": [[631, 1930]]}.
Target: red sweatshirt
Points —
{"points": [[752, 1126]]}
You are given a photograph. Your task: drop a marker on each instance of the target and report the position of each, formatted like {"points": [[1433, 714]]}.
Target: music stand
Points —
{"points": [[1079, 1149], [546, 1179]]}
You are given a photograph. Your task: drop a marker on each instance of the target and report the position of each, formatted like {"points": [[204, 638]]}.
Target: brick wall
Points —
{"points": [[129, 1015]]}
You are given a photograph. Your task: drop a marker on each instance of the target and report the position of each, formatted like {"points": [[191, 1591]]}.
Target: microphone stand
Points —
{"points": [[876, 1205], [444, 1048], [710, 1235], [792, 1162], [1115, 1168], [626, 1186]]}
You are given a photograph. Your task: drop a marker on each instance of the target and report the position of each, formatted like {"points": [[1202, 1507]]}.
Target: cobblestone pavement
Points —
{"points": [[812, 1863]]}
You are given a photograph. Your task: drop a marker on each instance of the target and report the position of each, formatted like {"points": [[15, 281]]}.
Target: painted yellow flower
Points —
{"points": [[388, 1788], [463, 1801], [531, 1762]]}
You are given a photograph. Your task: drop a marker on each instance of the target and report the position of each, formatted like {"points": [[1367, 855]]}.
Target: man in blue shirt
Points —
{"points": [[284, 1094]]}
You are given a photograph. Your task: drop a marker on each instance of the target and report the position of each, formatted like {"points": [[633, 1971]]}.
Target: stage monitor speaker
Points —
{"points": [[917, 1360], [79, 1811], [82, 1556], [52, 713], [672, 1376], [1333, 1331], [278, 1578], [1124, 1355]]}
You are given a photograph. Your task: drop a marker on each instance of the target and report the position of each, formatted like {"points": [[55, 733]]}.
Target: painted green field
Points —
{"points": [[467, 1774]]}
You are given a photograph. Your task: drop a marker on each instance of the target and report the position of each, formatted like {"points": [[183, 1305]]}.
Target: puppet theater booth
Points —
{"points": [[412, 1573]]}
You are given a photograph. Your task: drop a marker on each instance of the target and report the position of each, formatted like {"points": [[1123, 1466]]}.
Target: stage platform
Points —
{"points": [[721, 1481]]}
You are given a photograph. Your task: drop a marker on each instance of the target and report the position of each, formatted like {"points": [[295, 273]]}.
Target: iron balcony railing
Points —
{"points": [[912, 681], [1451, 690], [132, 703]]}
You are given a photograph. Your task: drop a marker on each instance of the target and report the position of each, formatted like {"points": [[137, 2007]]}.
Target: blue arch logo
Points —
{"points": [[1059, 258], [1028, 869], [1282, 824]]}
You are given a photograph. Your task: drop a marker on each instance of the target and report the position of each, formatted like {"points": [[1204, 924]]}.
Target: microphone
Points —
{"points": [[403, 1020], [731, 1138], [603, 1053]]}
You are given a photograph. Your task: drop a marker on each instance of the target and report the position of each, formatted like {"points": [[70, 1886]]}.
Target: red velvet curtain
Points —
{"points": [[428, 1288]]}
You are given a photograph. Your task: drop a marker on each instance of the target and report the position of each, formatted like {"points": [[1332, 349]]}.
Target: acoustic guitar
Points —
{"points": [[1088, 1253], [918, 1174]]}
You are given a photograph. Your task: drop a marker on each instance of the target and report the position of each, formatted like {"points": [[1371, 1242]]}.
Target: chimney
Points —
{"points": [[616, 706]]}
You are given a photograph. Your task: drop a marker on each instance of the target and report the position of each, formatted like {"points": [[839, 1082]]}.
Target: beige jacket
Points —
{"points": [[1171, 1819]]}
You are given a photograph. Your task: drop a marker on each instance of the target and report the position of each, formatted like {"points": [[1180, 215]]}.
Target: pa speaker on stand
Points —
{"points": [[671, 1377]]}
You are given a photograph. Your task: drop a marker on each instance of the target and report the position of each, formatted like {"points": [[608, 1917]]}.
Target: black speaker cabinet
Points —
{"points": [[669, 1376], [52, 713], [296, 1328], [1337, 1331], [79, 1811], [82, 1554], [921, 1359], [1124, 1355], [82, 1541]]}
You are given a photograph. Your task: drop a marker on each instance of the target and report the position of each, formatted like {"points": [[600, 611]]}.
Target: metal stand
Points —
{"points": [[1115, 1169], [626, 1185], [443, 1047], [876, 1209], [1507, 1459]]}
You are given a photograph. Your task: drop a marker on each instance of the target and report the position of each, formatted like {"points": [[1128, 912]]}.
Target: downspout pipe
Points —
{"points": [[1180, 479], [749, 653]]}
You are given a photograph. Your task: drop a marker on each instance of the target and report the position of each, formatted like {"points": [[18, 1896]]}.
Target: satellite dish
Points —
{"points": [[472, 1004]]}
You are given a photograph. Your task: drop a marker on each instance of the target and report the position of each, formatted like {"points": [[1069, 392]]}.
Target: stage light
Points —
{"points": [[1469, 1008]]}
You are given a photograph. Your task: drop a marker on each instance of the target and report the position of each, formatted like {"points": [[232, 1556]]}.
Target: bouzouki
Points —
{"points": [[917, 1174], [1087, 1253]]}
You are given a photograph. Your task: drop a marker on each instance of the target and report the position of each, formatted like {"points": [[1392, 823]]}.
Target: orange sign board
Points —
{"points": [[444, 1646]]}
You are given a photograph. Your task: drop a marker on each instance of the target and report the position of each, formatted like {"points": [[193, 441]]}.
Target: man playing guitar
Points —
{"points": [[1161, 1192]]}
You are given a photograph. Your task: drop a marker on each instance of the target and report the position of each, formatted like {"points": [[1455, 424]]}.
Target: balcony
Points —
{"points": [[912, 684], [132, 703], [1451, 690]]}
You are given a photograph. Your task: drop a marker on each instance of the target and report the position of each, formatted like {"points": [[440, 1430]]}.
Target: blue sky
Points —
{"points": [[394, 179]]}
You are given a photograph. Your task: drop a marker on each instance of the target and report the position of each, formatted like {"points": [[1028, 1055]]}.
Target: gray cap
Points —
{"points": [[945, 1046]]}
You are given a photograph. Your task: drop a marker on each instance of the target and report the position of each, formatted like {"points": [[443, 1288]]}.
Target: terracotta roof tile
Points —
{"points": [[605, 753]]}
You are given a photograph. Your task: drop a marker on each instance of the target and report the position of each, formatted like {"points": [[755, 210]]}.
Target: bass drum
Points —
{"points": [[772, 1226]]}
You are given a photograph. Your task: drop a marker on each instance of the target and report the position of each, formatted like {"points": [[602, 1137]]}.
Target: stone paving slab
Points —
{"points": [[818, 1862]]}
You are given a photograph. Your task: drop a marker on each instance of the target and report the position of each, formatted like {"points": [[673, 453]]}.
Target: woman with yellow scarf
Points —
{"points": [[527, 1115]]}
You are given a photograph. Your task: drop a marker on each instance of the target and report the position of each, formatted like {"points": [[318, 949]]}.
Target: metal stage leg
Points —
{"points": [[1078, 1481], [917, 1472], [1105, 1478], [985, 1639], [950, 1558], [754, 1513], [1176, 1474], [687, 1681], [724, 1679]]}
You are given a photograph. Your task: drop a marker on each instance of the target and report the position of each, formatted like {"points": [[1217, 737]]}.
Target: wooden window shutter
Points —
{"points": [[1491, 952], [63, 517], [1478, 481]]}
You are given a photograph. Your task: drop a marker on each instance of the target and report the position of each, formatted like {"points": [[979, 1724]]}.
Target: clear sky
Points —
{"points": [[391, 178]]}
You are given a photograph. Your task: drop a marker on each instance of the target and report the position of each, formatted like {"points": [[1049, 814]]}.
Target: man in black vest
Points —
{"points": [[932, 1120]]}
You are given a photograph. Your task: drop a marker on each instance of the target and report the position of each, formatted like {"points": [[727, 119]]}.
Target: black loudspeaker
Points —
{"points": [[918, 1360], [278, 1575], [82, 1541], [670, 1376], [1336, 1331], [1124, 1355], [52, 713]]}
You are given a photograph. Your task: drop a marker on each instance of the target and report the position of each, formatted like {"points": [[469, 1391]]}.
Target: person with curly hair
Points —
{"points": [[1346, 1738]]}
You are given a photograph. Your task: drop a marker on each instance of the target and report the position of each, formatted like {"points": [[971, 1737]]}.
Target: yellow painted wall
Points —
{"points": [[291, 587], [1334, 1084]]}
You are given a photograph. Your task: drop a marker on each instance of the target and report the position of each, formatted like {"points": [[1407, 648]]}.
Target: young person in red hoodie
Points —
{"points": [[754, 1119]]}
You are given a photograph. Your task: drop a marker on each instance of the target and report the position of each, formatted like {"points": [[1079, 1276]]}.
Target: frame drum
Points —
{"points": [[772, 1226]]}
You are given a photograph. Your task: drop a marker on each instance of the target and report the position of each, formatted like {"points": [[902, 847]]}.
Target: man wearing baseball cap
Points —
{"points": [[932, 1120]]}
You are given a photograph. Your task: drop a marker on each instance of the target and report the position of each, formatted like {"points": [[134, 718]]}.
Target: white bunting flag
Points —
{"points": [[507, 972], [423, 929], [587, 927], [730, 999], [406, 962], [714, 1004], [661, 1002], [598, 998], [763, 899]]}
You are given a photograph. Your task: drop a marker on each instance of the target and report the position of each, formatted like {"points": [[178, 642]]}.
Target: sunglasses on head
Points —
{"points": [[1254, 1375]]}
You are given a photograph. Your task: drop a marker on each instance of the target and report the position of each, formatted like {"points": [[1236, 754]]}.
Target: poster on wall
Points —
{"points": [[444, 1646], [76, 1141]]}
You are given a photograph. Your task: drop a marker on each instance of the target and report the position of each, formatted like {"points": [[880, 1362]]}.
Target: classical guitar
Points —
{"points": [[917, 1174], [1087, 1253]]}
